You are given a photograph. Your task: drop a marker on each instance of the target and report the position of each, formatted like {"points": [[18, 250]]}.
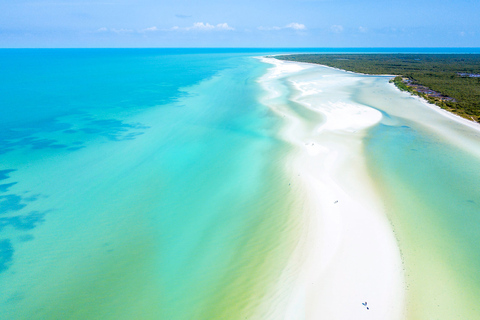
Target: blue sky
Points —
{"points": [[247, 23]]}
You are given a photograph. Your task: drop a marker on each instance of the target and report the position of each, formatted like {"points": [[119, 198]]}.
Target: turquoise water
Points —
{"points": [[150, 184], [138, 184]]}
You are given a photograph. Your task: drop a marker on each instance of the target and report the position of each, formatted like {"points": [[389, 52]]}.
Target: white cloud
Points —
{"points": [[362, 29], [150, 29], [293, 25], [336, 28], [224, 26], [296, 26], [102, 30], [201, 26]]}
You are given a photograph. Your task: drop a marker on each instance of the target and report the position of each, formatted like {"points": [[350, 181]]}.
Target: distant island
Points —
{"points": [[451, 81]]}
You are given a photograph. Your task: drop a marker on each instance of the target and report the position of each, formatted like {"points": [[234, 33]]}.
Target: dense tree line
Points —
{"points": [[452, 75]]}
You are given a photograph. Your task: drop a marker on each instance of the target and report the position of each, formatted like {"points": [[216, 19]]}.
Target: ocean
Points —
{"points": [[151, 184], [137, 183]]}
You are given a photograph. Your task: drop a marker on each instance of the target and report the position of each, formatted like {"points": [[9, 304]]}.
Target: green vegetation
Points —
{"points": [[452, 81]]}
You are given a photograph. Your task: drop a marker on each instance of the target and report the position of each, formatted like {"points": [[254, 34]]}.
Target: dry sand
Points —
{"points": [[347, 254]]}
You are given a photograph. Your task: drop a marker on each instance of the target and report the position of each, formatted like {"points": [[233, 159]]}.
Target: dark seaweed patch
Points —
{"points": [[6, 254], [114, 130], [75, 148], [11, 202], [24, 222], [4, 187], [5, 174], [7, 145], [18, 137]]}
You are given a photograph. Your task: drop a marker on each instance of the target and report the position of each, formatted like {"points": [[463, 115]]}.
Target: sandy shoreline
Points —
{"points": [[348, 254]]}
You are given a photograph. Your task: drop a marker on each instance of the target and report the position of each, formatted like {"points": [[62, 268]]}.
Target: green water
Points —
{"points": [[431, 191]]}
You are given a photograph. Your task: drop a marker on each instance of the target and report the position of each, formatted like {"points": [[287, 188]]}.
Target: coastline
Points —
{"points": [[333, 68], [451, 127], [469, 122], [453, 116], [348, 254], [452, 92]]}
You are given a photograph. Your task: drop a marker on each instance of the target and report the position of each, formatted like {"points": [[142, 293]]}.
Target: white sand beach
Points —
{"points": [[347, 264]]}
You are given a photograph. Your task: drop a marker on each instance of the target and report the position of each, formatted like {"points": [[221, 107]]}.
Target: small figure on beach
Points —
{"points": [[365, 305], [336, 201]]}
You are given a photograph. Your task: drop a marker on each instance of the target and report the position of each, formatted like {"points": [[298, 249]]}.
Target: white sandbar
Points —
{"points": [[347, 254]]}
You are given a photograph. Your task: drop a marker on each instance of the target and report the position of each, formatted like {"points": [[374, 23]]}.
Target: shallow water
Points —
{"points": [[426, 166], [139, 184]]}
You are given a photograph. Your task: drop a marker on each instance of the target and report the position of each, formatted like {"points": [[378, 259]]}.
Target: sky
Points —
{"points": [[239, 23]]}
